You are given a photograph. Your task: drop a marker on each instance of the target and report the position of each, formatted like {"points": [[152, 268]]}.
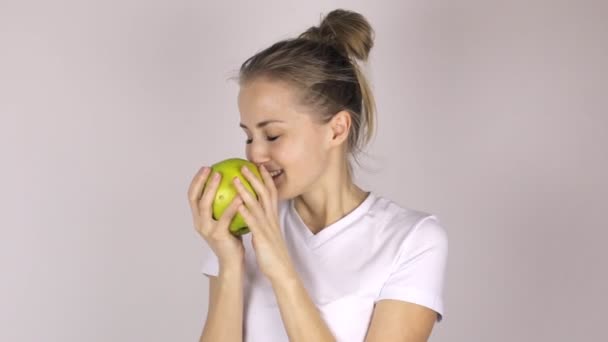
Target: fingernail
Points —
{"points": [[244, 169], [216, 175], [237, 180]]}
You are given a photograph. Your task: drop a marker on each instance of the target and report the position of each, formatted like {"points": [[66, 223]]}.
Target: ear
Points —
{"points": [[340, 127]]}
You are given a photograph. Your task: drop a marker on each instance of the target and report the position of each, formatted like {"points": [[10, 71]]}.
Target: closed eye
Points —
{"points": [[248, 141]]}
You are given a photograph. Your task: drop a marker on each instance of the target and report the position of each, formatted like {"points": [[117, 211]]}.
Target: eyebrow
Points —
{"points": [[263, 123]]}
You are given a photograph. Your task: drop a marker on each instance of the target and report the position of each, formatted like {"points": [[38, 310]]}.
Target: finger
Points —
{"points": [[230, 211], [272, 189], [252, 203], [196, 188], [249, 218], [196, 185], [258, 186], [206, 203]]}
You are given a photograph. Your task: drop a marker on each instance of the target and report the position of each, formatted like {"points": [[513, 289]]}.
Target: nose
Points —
{"points": [[257, 153]]}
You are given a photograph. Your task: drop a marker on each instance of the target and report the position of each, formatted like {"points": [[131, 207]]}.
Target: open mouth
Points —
{"points": [[276, 174]]}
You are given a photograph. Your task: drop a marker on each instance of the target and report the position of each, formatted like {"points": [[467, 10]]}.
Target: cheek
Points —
{"points": [[284, 153], [301, 154]]}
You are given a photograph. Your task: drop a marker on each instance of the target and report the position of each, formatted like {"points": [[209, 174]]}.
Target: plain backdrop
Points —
{"points": [[493, 115]]}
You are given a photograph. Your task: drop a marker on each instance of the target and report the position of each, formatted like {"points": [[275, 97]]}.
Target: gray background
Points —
{"points": [[492, 115]]}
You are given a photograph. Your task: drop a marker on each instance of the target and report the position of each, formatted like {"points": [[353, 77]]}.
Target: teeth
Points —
{"points": [[275, 173]]}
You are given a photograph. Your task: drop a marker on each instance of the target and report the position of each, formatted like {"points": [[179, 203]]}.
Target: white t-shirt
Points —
{"points": [[379, 250]]}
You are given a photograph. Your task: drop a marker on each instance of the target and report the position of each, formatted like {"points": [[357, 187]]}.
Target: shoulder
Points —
{"points": [[396, 216], [418, 244], [405, 223]]}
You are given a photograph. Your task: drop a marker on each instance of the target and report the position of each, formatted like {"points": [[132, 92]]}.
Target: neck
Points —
{"points": [[328, 203]]}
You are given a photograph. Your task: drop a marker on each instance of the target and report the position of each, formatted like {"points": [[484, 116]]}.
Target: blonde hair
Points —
{"points": [[321, 63]]}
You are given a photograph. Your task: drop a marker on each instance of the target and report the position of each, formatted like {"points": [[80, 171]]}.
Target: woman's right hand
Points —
{"points": [[227, 247]]}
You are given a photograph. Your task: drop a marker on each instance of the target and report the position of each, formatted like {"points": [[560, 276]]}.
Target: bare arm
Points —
{"points": [[225, 312]]}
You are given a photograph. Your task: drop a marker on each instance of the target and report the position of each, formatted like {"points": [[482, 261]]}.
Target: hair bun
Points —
{"points": [[348, 31]]}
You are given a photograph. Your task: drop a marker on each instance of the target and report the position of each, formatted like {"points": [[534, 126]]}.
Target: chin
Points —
{"points": [[283, 195]]}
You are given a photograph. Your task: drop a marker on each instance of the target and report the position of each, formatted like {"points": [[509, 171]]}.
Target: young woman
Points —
{"points": [[325, 259]]}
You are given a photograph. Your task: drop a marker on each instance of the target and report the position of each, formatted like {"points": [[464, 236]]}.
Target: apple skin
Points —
{"points": [[226, 191]]}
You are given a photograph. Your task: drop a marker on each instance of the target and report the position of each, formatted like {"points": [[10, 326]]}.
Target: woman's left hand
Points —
{"points": [[261, 216]]}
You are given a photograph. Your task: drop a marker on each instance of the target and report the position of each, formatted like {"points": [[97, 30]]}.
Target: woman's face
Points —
{"points": [[282, 136]]}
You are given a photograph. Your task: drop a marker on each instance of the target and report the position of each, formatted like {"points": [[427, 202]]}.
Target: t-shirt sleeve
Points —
{"points": [[418, 275], [210, 261]]}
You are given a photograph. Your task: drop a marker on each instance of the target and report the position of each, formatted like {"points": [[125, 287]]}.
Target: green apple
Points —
{"points": [[226, 190]]}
